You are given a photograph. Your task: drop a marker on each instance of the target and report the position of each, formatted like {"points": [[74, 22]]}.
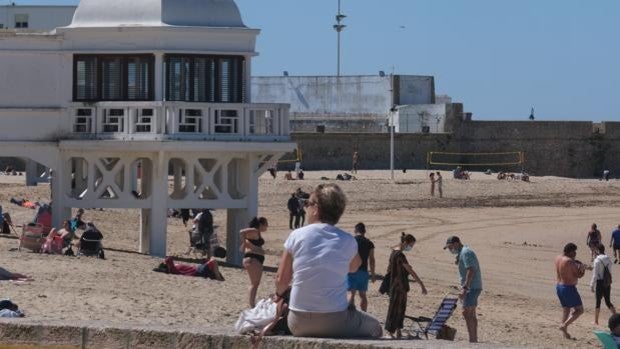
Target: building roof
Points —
{"points": [[155, 13]]}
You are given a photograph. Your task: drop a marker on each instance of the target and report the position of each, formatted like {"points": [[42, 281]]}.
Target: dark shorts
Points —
{"points": [[358, 281], [616, 247], [568, 295]]}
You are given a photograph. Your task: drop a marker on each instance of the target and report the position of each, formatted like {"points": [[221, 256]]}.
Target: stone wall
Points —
{"points": [[569, 149]]}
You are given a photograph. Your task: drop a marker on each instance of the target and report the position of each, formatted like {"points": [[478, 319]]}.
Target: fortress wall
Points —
{"points": [[568, 149]]}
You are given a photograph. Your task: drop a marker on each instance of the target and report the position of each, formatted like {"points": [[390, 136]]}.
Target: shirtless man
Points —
{"points": [[568, 272]]}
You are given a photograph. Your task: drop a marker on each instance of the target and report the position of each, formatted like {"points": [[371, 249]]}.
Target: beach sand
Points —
{"points": [[516, 229]]}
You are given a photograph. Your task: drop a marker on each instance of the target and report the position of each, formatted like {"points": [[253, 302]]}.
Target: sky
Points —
{"points": [[499, 58]]}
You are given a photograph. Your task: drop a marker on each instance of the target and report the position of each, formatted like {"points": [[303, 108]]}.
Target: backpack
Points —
{"points": [[606, 277]]}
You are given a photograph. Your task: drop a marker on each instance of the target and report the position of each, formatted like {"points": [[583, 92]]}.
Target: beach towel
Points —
{"points": [[257, 318]]}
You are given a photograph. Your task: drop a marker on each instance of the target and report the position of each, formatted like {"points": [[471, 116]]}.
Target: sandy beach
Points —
{"points": [[516, 229]]}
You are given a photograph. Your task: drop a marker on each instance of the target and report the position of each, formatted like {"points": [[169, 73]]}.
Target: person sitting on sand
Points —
{"points": [[614, 327], [501, 175], [315, 262], [7, 275], [569, 271], [209, 269], [288, 176]]}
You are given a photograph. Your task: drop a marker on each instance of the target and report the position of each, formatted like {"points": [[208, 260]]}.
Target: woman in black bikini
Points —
{"points": [[254, 257]]}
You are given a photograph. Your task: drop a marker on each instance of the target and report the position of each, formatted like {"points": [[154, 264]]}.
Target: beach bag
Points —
{"points": [[606, 277], [384, 288]]}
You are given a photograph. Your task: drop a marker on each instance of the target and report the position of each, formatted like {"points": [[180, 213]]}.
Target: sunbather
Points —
{"points": [[7, 275], [9, 309], [24, 203], [209, 269]]}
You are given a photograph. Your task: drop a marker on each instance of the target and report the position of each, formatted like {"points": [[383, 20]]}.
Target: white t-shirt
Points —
{"points": [[321, 254]]}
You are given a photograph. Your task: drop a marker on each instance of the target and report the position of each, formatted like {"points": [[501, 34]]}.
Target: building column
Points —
{"points": [[154, 221], [60, 185], [32, 173], [238, 219]]}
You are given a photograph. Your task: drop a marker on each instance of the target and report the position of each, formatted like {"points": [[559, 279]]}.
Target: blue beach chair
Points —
{"points": [[438, 322]]}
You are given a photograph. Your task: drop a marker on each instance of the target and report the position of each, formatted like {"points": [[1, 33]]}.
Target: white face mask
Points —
{"points": [[454, 251], [408, 248]]}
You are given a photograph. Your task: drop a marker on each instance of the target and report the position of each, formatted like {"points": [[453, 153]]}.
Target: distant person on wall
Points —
{"points": [[439, 181], [615, 243], [593, 240], [569, 271], [358, 281], [432, 179], [356, 162], [293, 212]]}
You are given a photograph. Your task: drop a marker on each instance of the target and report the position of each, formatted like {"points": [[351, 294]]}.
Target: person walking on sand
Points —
{"points": [[593, 240], [439, 181], [398, 271], [358, 281], [356, 162], [432, 178], [601, 282], [569, 271], [615, 243], [471, 283]]}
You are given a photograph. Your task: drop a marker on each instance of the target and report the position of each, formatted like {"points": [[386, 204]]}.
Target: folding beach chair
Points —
{"points": [[606, 339], [436, 324], [32, 238]]}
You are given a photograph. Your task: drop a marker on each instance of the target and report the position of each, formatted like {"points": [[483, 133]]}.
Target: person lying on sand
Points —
{"points": [[209, 269], [7, 275], [9, 309]]}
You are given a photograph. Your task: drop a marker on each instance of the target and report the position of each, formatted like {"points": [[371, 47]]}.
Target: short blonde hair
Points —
{"points": [[331, 202]]}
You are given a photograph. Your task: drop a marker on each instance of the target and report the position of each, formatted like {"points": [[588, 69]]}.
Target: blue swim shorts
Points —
{"points": [[358, 281], [471, 298], [568, 295]]}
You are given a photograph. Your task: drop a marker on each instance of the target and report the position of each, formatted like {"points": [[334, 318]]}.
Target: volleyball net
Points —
{"points": [[292, 157], [476, 160]]}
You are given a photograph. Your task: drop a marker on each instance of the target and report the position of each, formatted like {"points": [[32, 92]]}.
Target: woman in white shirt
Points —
{"points": [[315, 263], [597, 283]]}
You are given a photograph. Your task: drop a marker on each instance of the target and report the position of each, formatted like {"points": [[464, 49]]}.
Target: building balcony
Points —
{"points": [[179, 121]]}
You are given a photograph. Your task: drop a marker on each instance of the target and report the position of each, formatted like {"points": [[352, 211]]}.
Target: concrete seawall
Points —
{"points": [[23, 334], [568, 149]]}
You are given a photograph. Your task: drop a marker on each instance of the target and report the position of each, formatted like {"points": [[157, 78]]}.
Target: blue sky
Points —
{"points": [[498, 57]]}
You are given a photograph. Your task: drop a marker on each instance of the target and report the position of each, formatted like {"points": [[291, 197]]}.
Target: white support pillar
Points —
{"points": [[238, 219], [60, 185], [154, 221], [32, 173]]}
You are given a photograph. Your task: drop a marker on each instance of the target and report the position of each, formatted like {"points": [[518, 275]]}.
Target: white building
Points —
{"points": [[362, 103], [132, 90], [35, 18]]}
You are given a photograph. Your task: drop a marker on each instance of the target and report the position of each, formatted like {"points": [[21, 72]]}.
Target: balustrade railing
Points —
{"points": [[178, 120]]}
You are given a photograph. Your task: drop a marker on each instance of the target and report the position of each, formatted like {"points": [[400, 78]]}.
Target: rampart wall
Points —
{"points": [[570, 149]]}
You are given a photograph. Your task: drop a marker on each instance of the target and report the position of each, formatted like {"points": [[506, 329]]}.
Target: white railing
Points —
{"points": [[179, 120]]}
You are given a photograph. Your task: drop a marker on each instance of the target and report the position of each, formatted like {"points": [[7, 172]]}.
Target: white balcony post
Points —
{"points": [[131, 120]]}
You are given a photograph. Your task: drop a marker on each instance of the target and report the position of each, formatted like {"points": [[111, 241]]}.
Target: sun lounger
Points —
{"points": [[436, 324], [606, 339]]}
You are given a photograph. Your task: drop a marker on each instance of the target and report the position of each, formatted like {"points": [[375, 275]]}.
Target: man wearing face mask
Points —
{"points": [[471, 283]]}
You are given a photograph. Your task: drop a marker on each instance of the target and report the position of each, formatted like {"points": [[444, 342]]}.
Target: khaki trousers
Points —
{"points": [[350, 323]]}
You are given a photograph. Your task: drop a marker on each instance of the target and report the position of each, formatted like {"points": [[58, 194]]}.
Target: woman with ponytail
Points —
{"points": [[399, 271], [254, 256]]}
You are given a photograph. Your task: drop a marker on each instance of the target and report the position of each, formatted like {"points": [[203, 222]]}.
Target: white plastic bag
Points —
{"points": [[257, 318]]}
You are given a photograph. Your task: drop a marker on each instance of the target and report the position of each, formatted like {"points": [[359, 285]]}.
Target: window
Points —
{"points": [[21, 21], [113, 78], [211, 79]]}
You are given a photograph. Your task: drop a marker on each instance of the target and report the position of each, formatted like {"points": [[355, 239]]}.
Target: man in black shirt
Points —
{"points": [[90, 241], [358, 281]]}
